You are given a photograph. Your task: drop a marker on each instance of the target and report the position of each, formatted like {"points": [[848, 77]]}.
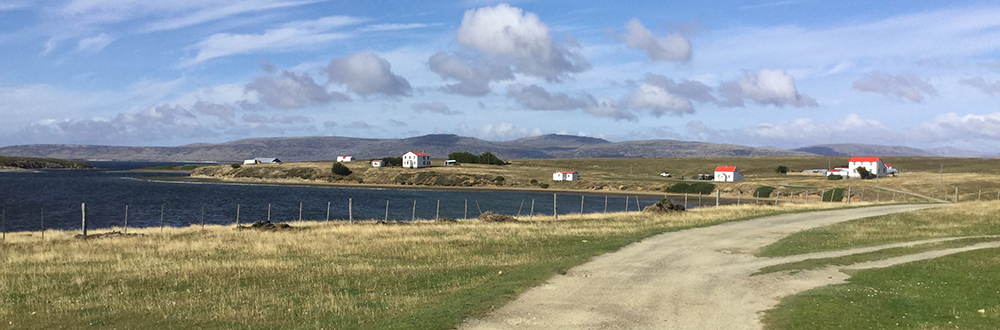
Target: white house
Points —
{"points": [[565, 176], [378, 163], [727, 174], [345, 158], [874, 165], [416, 159]]}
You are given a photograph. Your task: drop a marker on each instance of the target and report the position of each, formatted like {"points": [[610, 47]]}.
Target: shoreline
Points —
{"points": [[412, 187]]}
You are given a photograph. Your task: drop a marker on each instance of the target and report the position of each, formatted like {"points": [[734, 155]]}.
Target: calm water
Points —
{"points": [[28, 199]]}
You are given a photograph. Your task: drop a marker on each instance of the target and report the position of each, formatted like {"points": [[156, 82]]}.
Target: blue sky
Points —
{"points": [[763, 73]]}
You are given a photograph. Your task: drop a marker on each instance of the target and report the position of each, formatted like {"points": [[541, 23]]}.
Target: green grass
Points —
{"points": [[426, 275], [965, 219], [941, 293]]}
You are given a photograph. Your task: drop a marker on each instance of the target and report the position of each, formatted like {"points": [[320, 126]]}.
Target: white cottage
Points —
{"points": [[378, 163], [345, 158], [874, 165], [727, 174], [261, 161], [416, 159], [565, 176]]}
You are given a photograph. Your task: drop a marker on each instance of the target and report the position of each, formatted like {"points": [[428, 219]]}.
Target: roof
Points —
{"points": [[420, 153], [887, 164], [345, 156], [566, 172], [725, 169], [864, 159]]}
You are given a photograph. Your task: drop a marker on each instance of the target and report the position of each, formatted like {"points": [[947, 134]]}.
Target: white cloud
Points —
{"points": [[774, 87], [474, 78], [367, 74], [290, 37], [395, 27], [499, 132], [509, 34], [672, 47], [436, 107], [279, 119], [178, 13], [12, 5], [292, 91], [903, 85], [95, 43], [537, 98], [970, 128], [659, 101], [213, 109], [799, 132], [990, 88], [154, 124]]}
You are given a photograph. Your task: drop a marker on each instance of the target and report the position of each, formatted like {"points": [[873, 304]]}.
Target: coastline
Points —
{"points": [[413, 187]]}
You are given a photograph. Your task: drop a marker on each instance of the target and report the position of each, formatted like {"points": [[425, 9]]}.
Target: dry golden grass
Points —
{"points": [[316, 275]]}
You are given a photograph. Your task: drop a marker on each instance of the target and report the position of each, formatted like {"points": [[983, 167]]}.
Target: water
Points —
{"points": [[55, 196]]}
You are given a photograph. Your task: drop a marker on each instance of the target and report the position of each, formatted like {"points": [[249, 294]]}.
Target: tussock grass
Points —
{"points": [[422, 275], [964, 219]]}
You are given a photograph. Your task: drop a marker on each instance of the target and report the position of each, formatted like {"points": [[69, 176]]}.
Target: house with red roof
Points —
{"points": [[345, 158], [565, 176], [727, 174], [874, 165], [416, 159]]}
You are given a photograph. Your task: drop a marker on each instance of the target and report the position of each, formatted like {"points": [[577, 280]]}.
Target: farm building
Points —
{"points": [[874, 165], [451, 162], [727, 174], [416, 159], [841, 171], [378, 163], [345, 158], [261, 161], [565, 176]]}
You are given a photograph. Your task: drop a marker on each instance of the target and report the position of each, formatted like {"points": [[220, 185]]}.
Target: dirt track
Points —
{"points": [[692, 279]]}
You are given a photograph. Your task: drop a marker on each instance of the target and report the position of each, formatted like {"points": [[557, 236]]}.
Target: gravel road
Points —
{"points": [[691, 279]]}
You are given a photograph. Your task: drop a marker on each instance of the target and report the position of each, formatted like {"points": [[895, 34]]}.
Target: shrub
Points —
{"points": [[544, 185], [763, 191], [235, 165], [833, 195], [464, 157], [834, 177], [692, 188], [533, 181], [499, 179], [863, 172], [340, 169], [782, 169], [393, 161]]}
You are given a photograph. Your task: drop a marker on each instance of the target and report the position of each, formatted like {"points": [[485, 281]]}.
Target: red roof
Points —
{"points": [[420, 153], [864, 159], [566, 172], [888, 165], [725, 169]]}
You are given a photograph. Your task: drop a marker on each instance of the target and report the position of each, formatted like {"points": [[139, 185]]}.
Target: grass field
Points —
{"points": [[975, 178], [319, 275], [960, 291]]}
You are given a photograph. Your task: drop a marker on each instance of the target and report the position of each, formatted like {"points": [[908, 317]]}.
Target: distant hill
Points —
{"points": [[438, 145], [848, 149]]}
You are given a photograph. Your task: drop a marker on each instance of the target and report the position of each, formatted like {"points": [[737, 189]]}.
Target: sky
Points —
{"points": [[768, 73]]}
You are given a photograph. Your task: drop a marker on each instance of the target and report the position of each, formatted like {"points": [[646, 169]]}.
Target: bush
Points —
{"points": [[533, 181], [464, 157], [763, 191], [692, 188], [834, 177], [235, 165], [340, 169], [782, 169], [833, 195], [499, 179], [863, 172], [544, 185], [393, 161]]}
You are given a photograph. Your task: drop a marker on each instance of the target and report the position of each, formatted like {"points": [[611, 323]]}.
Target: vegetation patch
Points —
{"points": [[692, 188], [834, 195], [40, 163], [763, 191]]}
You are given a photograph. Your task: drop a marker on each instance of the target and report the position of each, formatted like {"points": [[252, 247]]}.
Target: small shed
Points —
{"points": [[451, 162], [565, 176], [345, 158], [378, 163], [250, 162], [727, 174]]}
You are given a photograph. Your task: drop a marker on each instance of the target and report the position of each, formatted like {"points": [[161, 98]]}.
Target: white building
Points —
{"points": [[416, 159], [378, 163], [345, 158], [261, 161], [727, 174], [565, 176], [841, 171], [874, 165], [451, 162]]}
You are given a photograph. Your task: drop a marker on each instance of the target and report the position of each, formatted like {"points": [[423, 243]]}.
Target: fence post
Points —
{"points": [[327, 211], [350, 209], [849, 193], [637, 206], [581, 204], [626, 203], [300, 211], [776, 197], [685, 200], [202, 216], [437, 213], [605, 203], [413, 216], [479, 208], [737, 198], [237, 215], [519, 208], [83, 218], [162, 208], [718, 193], [756, 195], [956, 194], [532, 214], [980, 198], [386, 211], [862, 199], [466, 209], [555, 207], [268, 212], [126, 218], [699, 199]]}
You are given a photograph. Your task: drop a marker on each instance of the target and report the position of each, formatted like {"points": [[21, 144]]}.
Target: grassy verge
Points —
{"points": [[956, 291], [424, 275], [953, 292], [966, 219]]}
